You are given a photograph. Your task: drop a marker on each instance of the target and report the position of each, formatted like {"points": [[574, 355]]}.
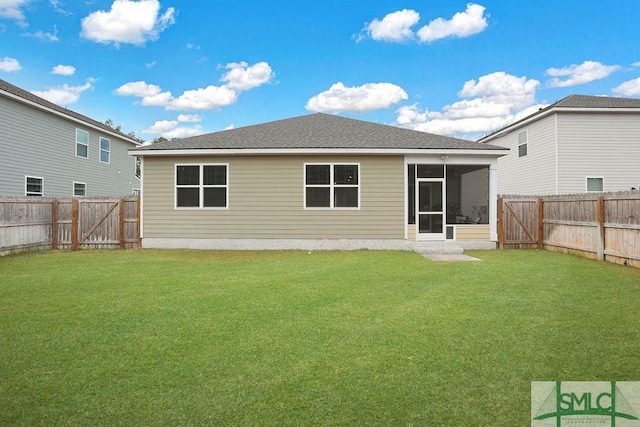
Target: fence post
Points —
{"points": [[74, 224], [601, 230], [540, 224], [500, 223], [122, 224], [54, 224]]}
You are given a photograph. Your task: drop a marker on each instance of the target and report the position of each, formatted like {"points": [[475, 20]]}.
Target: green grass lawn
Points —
{"points": [[292, 338]]}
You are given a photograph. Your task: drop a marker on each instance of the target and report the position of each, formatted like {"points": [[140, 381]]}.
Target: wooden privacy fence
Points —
{"points": [[598, 226], [33, 223]]}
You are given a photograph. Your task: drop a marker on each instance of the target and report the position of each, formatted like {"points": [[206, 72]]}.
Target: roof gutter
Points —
{"points": [[497, 152], [66, 116]]}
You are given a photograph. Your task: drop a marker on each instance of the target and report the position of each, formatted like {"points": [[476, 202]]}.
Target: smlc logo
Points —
{"points": [[577, 404]]}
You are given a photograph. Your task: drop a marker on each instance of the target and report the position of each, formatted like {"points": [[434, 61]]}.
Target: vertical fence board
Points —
{"points": [[34, 223], [604, 226]]}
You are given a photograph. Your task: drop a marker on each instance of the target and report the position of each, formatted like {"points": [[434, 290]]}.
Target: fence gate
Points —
{"points": [[519, 224]]}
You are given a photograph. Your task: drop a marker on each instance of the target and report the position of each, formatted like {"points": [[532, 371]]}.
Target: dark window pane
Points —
{"points": [[430, 223], [188, 197], [81, 150], [430, 197], [34, 185], [345, 174], [318, 174], [318, 197], [215, 175], [345, 197], [188, 175], [411, 203], [78, 189], [430, 171], [522, 150], [215, 197], [104, 156], [104, 144]]}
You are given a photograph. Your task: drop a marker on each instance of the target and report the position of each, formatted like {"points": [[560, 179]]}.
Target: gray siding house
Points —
{"points": [[47, 150], [576, 145], [318, 182]]}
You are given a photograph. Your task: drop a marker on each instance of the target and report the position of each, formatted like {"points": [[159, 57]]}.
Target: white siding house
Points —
{"points": [[47, 150], [576, 145]]}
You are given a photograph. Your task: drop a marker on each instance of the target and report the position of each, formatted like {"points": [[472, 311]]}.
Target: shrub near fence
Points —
{"points": [[35, 223], [603, 226]]}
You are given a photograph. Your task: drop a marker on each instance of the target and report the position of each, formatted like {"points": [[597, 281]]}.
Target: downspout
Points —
{"points": [[555, 135]]}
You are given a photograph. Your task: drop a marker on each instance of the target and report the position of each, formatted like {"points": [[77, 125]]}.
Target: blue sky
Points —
{"points": [[458, 68]]}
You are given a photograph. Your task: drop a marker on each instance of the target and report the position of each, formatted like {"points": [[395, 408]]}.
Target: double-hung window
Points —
{"points": [[105, 149], [202, 186], [79, 189], [523, 139], [332, 186], [82, 143], [34, 186]]}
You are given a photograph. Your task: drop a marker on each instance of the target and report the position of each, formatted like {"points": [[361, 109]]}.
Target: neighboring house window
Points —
{"points": [[79, 189], [332, 185], [82, 143], [135, 191], [105, 145], [33, 186], [523, 139], [595, 184], [202, 186]]}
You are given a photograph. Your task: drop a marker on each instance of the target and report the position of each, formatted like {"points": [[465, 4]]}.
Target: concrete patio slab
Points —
{"points": [[450, 257]]}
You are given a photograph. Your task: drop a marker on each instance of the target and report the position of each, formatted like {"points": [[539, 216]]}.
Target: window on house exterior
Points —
{"points": [[202, 186], [523, 139], [332, 186], [79, 189], [595, 184], [34, 186], [82, 143], [105, 150]]}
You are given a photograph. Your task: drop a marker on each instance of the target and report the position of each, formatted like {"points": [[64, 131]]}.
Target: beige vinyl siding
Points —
{"points": [[266, 200], [473, 232], [36, 143], [598, 145], [535, 172]]}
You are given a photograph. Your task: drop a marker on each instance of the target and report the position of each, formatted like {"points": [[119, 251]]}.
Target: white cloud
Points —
{"points": [[128, 21], [628, 88], [189, 118], [151, 64], [209, 98], [243, 77], [636, 64], [11, 9], [586, 72], [394, 27], [10, 65], [57, 6], [359, 99], [488, 103], [231, 126], [170, 129], [65, 94], [463, 24], [41, 35], [64, 70]]}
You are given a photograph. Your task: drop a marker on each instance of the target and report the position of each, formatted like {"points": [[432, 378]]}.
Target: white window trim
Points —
{"points": [[75, 147], [201, 188], [101, 150], [586, 184], [520, 144], [34, 177], [73, 189], [331, 186]]}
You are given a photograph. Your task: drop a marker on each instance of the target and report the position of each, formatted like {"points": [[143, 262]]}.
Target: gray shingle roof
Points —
{"points": [[318, 131], [15, 90]]}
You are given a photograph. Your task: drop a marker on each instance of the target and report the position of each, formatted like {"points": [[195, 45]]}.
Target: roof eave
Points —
{"points": [[542, 114], [67, 117], [497, 152]]}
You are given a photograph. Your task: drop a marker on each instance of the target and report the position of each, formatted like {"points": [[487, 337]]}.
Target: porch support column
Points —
{"points": [[493, 201]]}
